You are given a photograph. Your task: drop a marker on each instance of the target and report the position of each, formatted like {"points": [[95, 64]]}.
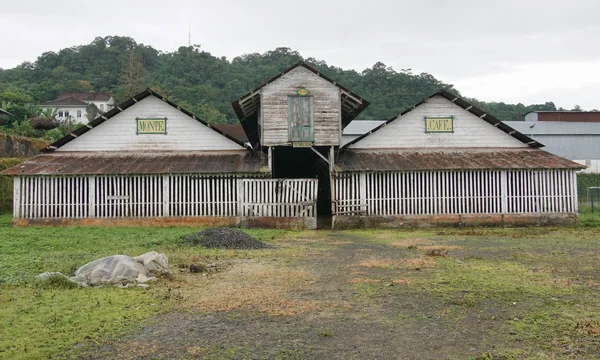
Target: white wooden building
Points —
{"points": [[446, 162], [149, 162], [441, 162]]}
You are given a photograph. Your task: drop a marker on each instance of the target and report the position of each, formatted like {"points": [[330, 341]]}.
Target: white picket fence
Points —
{"points": [[456, 192], [279, 198], [172, 195]]}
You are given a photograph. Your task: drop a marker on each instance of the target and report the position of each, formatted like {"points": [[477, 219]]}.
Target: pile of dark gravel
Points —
{"points": [[224, 238]]}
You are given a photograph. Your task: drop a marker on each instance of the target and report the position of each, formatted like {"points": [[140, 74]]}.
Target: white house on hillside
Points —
{"points": [[73, 105]]}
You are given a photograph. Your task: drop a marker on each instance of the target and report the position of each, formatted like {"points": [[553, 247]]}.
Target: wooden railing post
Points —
{"points": [[166, 194], [362, 200], [240, 196], [503, 192], [17, 197], [92, 196]]}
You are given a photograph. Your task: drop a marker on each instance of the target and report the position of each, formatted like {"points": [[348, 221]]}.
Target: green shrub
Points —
{"points": [[6, 184]]}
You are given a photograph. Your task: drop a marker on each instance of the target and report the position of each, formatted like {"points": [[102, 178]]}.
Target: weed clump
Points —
{"points": [[224, 238], [436, 253]]}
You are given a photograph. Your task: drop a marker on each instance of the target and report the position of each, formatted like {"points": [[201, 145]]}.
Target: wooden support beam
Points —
{"points": [[320, 155], [270, 159], [352, 97]]}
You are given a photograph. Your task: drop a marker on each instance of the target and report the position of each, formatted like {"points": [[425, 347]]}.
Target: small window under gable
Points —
{"points": [[301, 118]]}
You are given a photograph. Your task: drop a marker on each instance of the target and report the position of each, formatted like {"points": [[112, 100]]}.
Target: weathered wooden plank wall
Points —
{"points": [[456, 192], [326, 106]]}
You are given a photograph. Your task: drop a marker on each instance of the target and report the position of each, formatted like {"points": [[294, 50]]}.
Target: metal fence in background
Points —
{"points": [[588, 193]]}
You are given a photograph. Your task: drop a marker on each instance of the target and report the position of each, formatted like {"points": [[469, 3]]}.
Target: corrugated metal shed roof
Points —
{"points": [[90, 163], [87, 96], [450, 159], [567, 116], [360, 127], [235, 130], [468, 107], [554, 127], [67, 101]]}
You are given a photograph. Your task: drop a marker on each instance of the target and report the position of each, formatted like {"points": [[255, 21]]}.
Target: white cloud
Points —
{"points": [[565, 83], [477, 45]]}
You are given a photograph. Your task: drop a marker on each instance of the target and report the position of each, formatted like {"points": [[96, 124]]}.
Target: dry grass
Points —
{"points": [[441, 247], [137, 349], [418, 263], [364, 281], [412, 243], [274, 290], [376, 263], [338, 242], [589, 327], [196, 351], [436, 252], [404, 281]]}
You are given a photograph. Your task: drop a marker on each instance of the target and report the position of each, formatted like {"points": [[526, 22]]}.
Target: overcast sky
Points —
{"points": [[528, 51]]}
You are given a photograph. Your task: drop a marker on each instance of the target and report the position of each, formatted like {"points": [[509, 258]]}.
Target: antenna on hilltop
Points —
{"points": [[189, 35]]}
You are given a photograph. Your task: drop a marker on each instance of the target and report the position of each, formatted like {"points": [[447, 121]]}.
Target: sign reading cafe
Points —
{"points": [[439, 124], [151, 126]]}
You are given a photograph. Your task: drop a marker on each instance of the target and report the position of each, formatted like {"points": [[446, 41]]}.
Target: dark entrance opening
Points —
{"points": [[303, 163]]}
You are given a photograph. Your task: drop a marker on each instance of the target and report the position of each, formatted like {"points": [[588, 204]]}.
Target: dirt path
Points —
{"points": [[357, 305], [348, 295]]}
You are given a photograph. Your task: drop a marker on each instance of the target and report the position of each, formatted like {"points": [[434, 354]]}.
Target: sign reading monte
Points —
{"points": [[439, 124], [151, 126]]}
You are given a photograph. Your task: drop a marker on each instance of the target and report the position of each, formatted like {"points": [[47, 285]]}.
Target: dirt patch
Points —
{"points": [[369, 299], [266, 288]]}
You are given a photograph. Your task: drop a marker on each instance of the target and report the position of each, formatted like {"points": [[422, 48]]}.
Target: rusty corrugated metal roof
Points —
{"points": [[451, 159], [234, 130], [75, 163]]}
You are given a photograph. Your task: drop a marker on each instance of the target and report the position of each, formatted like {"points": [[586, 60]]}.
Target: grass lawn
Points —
{"points": [[473, 293]]}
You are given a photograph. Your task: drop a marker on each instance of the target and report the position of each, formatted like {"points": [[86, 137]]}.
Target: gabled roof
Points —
{"points": [[89, 96], [246, 107], [235, 130], [123, 106], [68, 101], [425, 159], [466, 106]]}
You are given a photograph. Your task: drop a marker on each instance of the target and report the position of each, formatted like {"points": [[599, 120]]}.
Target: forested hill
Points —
{"points": [[206, 84]]}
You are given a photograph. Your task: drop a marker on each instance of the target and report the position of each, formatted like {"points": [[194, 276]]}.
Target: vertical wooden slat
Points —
{"points": [[17, 197]]}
